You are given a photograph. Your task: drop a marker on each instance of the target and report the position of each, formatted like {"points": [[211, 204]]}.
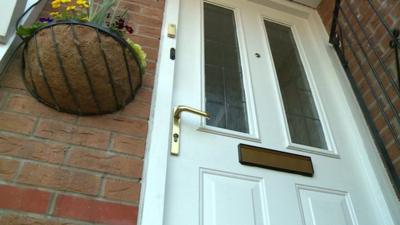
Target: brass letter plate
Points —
{"points": [[275, 160]]}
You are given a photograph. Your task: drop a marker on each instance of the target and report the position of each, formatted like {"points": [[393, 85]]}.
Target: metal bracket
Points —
{"points": [[394, 44], [175, 137]]}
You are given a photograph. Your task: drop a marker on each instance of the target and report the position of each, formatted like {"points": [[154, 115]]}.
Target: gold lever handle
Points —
{"points": [[177, 123]]}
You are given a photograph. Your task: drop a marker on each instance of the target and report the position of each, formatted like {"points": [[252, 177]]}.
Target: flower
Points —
{"points": [[139, 52], [65, 1], [55, 14], [56, 4], [82, 3], [120, 24], [129, 29], [46, 20], [71, 7]]}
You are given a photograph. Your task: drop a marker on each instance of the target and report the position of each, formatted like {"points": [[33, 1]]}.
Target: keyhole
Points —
{"points": [[176, 136], [257, 55]]}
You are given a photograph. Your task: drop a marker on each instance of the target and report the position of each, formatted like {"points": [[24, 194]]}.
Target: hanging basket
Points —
{"points": [[80, 68]]}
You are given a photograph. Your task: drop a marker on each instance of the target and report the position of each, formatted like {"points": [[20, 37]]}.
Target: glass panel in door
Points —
{"points": [[304, 123], [225, 98]]}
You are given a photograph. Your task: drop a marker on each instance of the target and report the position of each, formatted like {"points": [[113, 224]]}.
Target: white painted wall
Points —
{"points": [[10, 10], [9, 46]]}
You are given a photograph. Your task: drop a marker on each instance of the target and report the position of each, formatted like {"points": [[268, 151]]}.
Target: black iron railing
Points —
{"points": [[368, 49]]}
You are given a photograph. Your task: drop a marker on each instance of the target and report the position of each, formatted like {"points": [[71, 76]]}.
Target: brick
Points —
{"points": [[95, 211], [16, 123], [380, 38], [27, 104], [25, 220], [73, 134], [394, 152], [8, 169], [369, 98], [392, 93], [12, 76], [154, 4], [386, 135], [59, 178], [2, 97], [154, 32], [132, 6], [129, 145], [24, 199], [144, 94], [374, 110], [118, 124], [151, 67], [122, 190], [380, 123], [146, 41], [148, 80], [57, 135], [156, 13], [152, 53], [136, 109], [145, 20], [32, 149], [105, 162], [397, 167]]}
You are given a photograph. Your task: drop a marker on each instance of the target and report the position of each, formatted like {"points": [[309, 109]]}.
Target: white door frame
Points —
{"points": [[151, 210]]}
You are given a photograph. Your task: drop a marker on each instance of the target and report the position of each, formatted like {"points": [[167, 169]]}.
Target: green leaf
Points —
{"points": [[24, 31], [101, 13], [28, 31], [91, 9]]}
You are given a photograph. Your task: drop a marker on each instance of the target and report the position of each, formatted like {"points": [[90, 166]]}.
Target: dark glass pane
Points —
{"points": [[225, 99], [304, 123]]}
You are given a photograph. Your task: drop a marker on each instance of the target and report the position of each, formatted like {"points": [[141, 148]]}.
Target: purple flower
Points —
{"points": [[46, 20], [129, 29]]}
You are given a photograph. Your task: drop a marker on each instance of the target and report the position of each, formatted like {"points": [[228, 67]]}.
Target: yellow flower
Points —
{"points": [[54, 14], [72, 7], [82, 3], [55, 6], [65, 1]]}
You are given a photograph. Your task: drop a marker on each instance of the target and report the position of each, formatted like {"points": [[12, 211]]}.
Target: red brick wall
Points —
{"points": [[57, 168], [379, 38]]}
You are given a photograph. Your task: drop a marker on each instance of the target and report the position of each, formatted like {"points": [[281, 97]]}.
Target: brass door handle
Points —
{"points": [[175, 137]]}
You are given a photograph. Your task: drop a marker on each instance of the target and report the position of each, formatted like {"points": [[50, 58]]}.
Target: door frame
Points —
{"points": [[151, 207]]}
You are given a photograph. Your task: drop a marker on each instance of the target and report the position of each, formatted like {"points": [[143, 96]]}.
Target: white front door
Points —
{"points": [[261, 73]]}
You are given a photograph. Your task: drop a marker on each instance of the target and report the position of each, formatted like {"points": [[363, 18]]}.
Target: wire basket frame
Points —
{"points": [[80, 68]]}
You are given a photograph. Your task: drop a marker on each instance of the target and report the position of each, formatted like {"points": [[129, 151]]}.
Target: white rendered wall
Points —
{"points": [[9, 46], [9, 11]]}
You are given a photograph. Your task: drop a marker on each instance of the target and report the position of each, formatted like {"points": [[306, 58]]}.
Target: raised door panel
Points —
{"points": [[232, 199], [326, 207]]}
